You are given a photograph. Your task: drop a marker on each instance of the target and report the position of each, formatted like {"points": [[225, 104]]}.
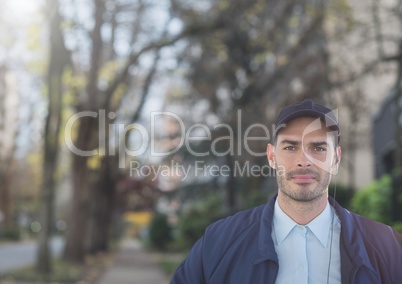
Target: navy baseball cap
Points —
{"points": [[307, 108]]}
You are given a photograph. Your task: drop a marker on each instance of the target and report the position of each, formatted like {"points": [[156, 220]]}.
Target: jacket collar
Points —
{"points": [[351, 237], [266, 247]]}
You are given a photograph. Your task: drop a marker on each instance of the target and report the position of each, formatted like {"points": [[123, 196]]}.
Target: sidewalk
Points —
{"points": [[133, 265]]}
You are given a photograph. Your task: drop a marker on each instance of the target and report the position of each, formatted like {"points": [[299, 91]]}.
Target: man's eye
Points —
{"points": [[290, 148], [320, 149]]}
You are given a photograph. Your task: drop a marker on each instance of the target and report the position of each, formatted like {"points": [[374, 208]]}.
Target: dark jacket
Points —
{"points": [[239, 249]]}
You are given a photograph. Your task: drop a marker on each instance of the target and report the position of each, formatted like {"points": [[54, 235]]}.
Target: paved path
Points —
{"points": [[133, 266]]}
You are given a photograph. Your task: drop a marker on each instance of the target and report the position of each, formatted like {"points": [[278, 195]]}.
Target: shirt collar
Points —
{"points": [[319, 226], [283, 224]]}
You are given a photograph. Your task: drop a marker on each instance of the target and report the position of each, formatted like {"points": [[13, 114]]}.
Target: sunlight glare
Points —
{"points": [[21, 10]]}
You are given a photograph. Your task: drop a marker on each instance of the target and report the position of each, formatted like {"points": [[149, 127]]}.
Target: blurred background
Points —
{"points": [[149, 119]]}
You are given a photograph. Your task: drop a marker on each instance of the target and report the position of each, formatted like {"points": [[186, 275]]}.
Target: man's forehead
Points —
{"points": [[305, 139], [323, 139]]}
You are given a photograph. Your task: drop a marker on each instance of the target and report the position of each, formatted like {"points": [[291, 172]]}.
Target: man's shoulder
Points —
{"points": [[242, 218], [236, 224], [375, 233], [371, 227], [372, 243]]}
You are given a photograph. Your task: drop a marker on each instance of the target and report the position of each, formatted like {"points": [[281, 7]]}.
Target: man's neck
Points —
{"points": [[302, 212]]}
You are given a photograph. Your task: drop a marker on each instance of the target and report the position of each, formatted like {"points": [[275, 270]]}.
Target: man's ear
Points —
{"points": [[271, 155], [337, 160]]}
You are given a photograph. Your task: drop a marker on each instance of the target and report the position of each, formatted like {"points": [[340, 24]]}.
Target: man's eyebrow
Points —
{"points": [[320, 143], [295, 143], [291, 142]]}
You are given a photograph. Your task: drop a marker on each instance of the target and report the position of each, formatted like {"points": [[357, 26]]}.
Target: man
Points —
{"points": [[301, 235]]}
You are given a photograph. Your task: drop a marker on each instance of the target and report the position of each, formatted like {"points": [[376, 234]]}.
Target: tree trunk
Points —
{"points": [[102, 206], [230, 186], [5, 201], [58, 61], [76, 246], [6, 154], [51, 147], [78, 223]]}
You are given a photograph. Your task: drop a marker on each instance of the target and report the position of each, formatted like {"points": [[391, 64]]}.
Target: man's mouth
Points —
{"points": [[303, 178]]}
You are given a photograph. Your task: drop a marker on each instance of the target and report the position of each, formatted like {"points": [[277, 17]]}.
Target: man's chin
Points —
{"points": [[304, 197]]}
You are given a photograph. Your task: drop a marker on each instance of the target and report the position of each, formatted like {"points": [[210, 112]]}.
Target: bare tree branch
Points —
{"points": [[147, 85], [377, 28], [364, 71], [96, 53], [190, 31]]}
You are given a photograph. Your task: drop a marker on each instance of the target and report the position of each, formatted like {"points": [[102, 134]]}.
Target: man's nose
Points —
{"points": [[303, 160]]}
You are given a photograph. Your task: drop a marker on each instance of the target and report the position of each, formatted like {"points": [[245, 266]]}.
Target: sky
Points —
{"points": [[21, 49]]}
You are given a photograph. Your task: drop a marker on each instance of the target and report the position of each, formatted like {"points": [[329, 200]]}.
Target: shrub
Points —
{"points": [[11, 233], [193, 222], [343, 195], [398, 227], [160, 231], [374, 201]]}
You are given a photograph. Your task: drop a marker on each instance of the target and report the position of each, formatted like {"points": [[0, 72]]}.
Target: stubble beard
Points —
{"points": [[301, 192]]}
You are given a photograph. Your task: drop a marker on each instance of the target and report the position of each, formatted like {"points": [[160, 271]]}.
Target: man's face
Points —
{"points": [[305, 154]]}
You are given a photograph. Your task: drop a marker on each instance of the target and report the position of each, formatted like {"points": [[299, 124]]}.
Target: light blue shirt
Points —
{"points": [[306, 253]]}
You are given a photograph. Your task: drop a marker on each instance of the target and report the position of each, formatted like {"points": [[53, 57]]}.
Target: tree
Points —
{"points": [[57, 64], [8, 134], [18, 100], [109, 78], [370, 56], [268, 54], [103, 189]]}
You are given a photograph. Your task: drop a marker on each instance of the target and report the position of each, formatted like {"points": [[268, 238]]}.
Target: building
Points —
{"points": [[384, 143]]}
